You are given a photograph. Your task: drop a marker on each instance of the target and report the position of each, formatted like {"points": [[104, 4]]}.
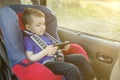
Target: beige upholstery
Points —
{"points": [[115, 74]]}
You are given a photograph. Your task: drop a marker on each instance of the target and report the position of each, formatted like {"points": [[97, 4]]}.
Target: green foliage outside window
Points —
{"points": [[98, 17]]}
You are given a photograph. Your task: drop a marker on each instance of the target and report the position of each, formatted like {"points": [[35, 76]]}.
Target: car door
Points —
{"points": [[102, 53]]}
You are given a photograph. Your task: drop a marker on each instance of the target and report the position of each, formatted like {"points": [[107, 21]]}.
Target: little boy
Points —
{"points": [[72, 66]]}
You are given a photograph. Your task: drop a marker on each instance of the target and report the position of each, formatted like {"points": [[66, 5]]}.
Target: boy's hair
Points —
{"points": [[28, 12]]}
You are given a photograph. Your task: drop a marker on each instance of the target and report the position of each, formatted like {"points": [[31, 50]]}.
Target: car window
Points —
{"points": [[98, 17]]}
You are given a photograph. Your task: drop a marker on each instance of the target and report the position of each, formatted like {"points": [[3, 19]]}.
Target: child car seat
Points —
{"points": [[6, 21]]}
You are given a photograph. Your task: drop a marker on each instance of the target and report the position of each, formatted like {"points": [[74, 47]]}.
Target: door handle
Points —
{"points": [[104, 58]]}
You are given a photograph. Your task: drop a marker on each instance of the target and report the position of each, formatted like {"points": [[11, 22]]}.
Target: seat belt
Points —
{"points": [[39, 41]]}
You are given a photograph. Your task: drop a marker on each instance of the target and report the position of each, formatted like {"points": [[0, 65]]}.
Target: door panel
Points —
{"points": [[103, 53], [115, 73]]}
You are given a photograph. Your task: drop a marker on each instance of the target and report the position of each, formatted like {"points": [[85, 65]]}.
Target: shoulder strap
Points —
{"points": [[52, 38], [39, 41]]}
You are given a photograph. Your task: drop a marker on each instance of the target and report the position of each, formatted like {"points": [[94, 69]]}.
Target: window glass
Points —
{"points": [[98, 17], [26, 2]]}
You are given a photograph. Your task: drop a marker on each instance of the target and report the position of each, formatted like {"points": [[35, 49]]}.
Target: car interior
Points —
{"points": [[104, 54]]}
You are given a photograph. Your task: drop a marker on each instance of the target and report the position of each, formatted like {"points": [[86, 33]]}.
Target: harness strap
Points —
{"points": [[52, 38], [39, 41]]}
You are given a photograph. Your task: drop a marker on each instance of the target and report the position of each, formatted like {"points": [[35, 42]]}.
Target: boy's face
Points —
{"points": [[37, 25]]}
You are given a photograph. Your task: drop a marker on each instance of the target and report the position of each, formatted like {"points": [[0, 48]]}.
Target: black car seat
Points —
{"points": [[5, 70]]}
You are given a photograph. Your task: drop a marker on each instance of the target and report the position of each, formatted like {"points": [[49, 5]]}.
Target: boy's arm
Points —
{"points": [[49, 50], [35, 57]]}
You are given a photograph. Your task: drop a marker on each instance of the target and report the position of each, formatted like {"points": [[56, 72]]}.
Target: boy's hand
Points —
{"points": [[66, 47], [50, 50]]}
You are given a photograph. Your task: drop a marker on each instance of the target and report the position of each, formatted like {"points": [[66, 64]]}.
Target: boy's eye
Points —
{"points": [[38, 25]]}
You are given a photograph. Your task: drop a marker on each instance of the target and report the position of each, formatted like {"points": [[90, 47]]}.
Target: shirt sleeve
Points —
{"points": [[28, 44]]}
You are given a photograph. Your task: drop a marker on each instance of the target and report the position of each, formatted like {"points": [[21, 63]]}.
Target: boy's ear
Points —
{"points": [[27, 27]]}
